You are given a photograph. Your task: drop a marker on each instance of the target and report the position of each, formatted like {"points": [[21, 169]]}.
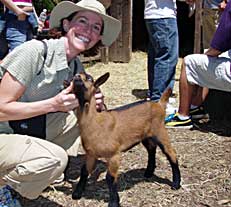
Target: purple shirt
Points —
{"points": [[222, 38]]}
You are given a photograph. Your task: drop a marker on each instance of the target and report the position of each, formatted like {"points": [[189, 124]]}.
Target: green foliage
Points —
{"points": [[45, 4]]}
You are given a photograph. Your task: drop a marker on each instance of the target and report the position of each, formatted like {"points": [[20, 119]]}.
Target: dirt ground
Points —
{"points": [[204, 155]]}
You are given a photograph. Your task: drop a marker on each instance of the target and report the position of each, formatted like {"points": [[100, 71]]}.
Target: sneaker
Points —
{"points": [[198, 113], [59, 180], [173, 121], [6, 199]]}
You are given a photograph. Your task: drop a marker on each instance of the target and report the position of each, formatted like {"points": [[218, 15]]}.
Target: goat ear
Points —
{"points": [[102, 79]]}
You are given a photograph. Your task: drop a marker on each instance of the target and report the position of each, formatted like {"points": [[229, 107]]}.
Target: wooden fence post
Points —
{"points": [[198, 27]]}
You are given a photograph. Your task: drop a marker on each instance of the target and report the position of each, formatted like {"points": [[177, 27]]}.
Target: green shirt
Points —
{"points": [[43, 80]]}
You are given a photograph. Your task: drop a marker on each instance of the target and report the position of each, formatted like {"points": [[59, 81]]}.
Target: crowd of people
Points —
{"points": [[36, 92]]}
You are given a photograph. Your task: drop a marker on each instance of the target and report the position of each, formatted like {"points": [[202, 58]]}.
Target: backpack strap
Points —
{"points": [[75, 64], [45, 51], [44, 56]]}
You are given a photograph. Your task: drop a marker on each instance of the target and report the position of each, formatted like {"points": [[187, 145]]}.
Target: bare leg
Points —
{"points": [[199, 96], [186, 92]]}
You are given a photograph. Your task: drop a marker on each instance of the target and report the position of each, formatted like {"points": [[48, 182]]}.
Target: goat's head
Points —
{"points": [[84, 86]]}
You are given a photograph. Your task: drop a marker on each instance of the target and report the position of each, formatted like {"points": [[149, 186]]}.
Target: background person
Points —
{"points": [[18, 11], [200, 71], [20, 29], [161, 23], [211, 13]]}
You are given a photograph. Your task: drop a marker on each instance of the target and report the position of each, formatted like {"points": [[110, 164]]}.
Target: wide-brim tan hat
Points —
{"points": [[112, 26]]}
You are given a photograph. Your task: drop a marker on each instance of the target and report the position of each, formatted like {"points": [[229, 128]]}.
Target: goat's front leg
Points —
{"points": [[150, 145], [77, 192], [111, 178], [85, 171]]}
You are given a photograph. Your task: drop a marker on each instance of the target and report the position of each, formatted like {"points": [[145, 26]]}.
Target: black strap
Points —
{"points": [[44, 56], [45, 51], [75, 64]]}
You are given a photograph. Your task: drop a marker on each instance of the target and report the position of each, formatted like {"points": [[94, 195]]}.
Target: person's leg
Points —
{"points": [[204, 71], [210, 20], [150, 61], [199, 95], [163, 35], [63, 130], [185, 92], [28, 164]]}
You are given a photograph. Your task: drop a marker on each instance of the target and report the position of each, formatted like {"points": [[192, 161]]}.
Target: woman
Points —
{"points": [[29, 164]]}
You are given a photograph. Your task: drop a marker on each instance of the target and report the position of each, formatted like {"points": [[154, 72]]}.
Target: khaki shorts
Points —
{"points": [[210, 72], [210, 21], [30, 164]]}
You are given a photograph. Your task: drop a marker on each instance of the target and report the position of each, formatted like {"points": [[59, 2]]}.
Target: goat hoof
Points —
{"points": [[148, 174], [175, 186], [113, 204], [76, 195]]}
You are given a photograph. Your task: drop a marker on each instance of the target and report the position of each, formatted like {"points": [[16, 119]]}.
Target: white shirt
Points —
{"points": [[157, 9]]}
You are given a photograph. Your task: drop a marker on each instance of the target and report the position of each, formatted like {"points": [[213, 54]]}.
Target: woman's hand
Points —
{"points": [[65, 101], [99, 98], [222, 5], [40, 26]]}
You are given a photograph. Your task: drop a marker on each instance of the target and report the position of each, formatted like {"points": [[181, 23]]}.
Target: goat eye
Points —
{"points": [[89, 78]]}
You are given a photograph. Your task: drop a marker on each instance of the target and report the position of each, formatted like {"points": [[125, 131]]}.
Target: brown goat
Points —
{"points": [[107, 134]]}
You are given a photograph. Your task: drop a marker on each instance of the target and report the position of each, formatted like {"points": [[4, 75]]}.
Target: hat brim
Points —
{"points": [[112, 26]]}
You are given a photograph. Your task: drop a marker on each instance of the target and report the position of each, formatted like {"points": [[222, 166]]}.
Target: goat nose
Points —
{"points": [[77, 76]]}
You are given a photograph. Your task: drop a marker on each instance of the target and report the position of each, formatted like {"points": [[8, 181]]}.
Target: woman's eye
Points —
{"points": [[97, 28], [82, 21]]}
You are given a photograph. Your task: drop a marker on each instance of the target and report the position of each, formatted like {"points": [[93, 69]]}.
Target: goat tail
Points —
{"points": [[165, 96]]}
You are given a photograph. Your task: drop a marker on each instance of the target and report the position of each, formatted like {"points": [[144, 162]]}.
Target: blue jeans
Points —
{"points": [[18, 32], [162, 55]]}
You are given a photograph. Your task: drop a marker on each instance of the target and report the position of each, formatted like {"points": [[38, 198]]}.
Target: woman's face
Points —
{"points": [[83, 31]]}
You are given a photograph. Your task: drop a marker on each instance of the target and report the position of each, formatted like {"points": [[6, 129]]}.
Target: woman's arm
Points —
{"points": [[10, 5], [10, 109]]}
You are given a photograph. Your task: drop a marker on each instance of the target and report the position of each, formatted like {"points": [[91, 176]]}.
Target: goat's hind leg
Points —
{"points": [[85, 171], [150, 145], [163, 142]]}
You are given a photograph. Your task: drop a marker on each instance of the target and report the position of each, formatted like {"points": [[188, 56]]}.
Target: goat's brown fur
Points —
{"points": [[108, 133]]}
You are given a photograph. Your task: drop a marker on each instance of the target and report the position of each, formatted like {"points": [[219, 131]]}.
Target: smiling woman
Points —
{"points": [[85, 29], [37, 89]]}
